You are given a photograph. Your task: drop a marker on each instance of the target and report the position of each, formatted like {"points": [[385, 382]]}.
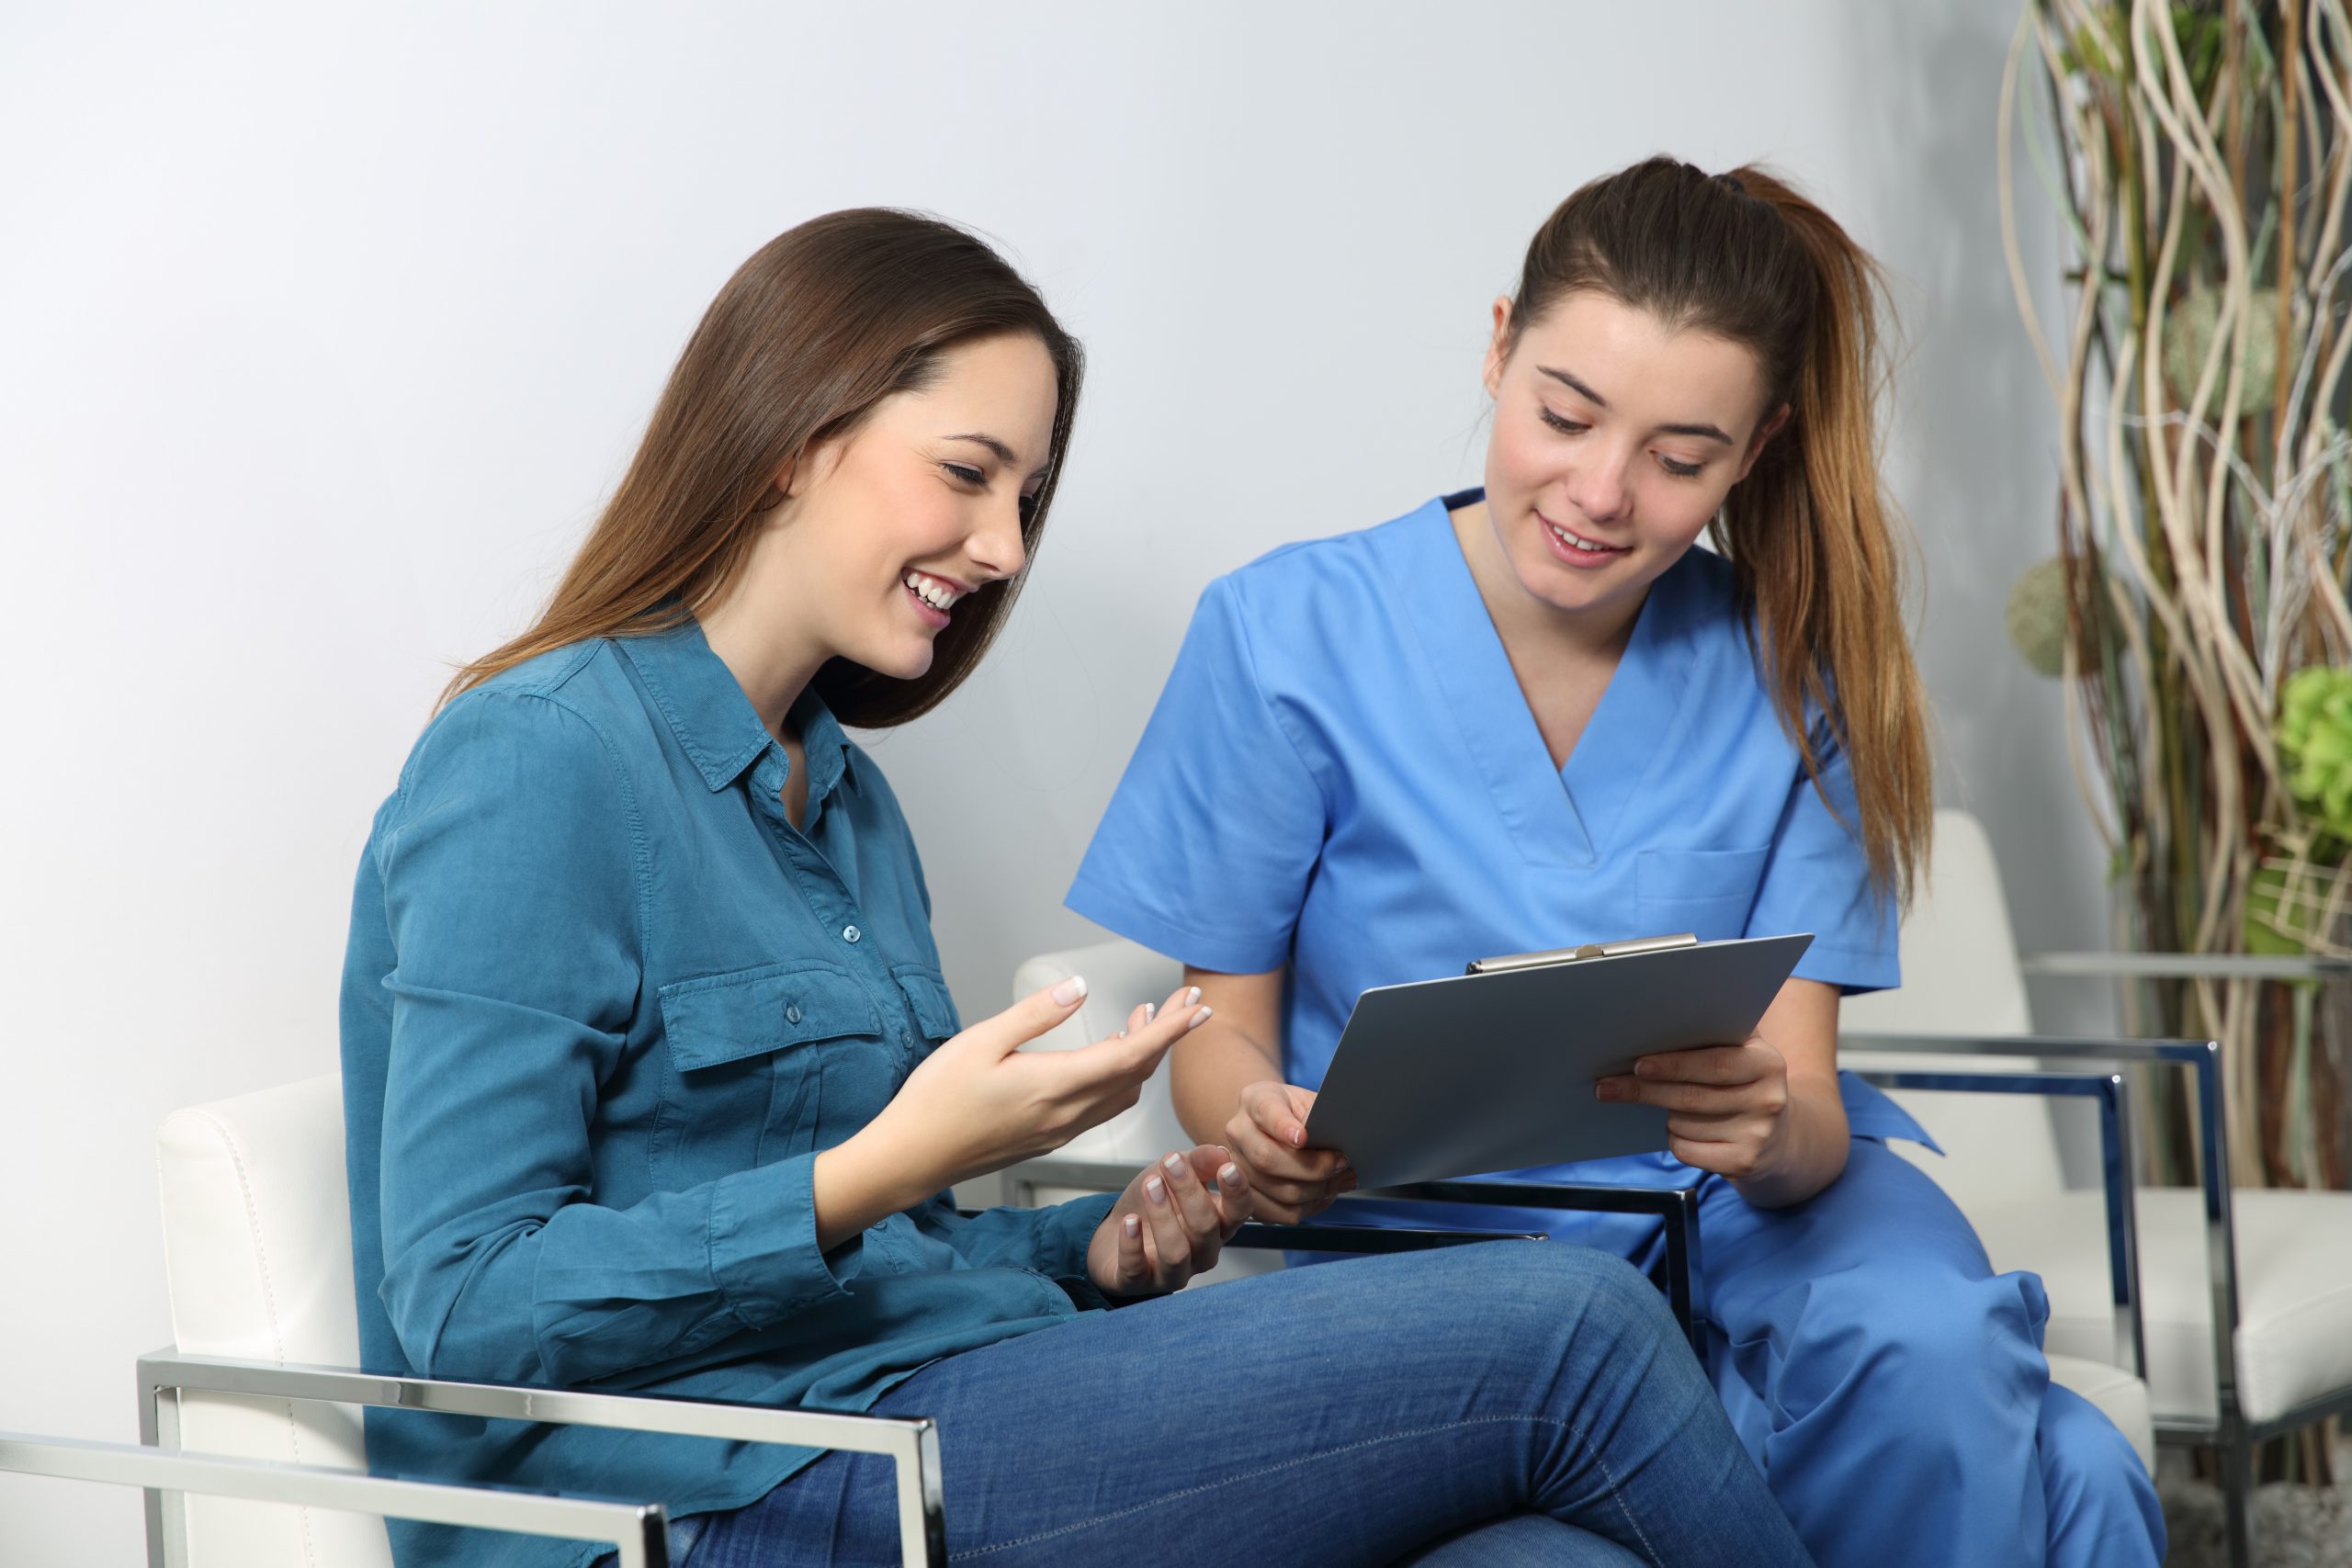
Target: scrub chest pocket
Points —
{"points": [[1709, 892], [751, 1057]]}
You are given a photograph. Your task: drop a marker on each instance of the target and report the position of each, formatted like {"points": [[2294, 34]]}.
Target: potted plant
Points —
{"points": [[2199, 158]]}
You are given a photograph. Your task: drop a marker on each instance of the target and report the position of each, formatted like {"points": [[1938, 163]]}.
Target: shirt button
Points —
{"points": [[851, 934], [792, 1015]]}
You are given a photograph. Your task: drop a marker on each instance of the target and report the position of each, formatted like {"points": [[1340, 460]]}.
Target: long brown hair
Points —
{"points": [[1810, 532], [823, 322]]}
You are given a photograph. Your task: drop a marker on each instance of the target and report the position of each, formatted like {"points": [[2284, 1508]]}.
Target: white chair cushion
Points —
{"points": [[1120, 976], [1960, 957], [257, 1257], [1960, 976], [2294, 1283], [2120, 1396]]}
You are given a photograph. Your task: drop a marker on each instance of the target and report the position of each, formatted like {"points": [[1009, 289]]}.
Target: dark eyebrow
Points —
{"points": [[1573, 385], [1005, 454], [1704, 432]]}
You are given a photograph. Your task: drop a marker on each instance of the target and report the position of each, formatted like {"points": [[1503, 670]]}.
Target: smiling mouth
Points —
{"points": [[936, 596], [1579, 544]]}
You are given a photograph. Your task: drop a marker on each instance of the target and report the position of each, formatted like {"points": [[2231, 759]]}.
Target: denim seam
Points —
{"points": [[1615, 1493]]}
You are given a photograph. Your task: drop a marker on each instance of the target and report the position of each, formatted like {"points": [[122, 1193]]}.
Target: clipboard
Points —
{"points": [[1493, 1069]]}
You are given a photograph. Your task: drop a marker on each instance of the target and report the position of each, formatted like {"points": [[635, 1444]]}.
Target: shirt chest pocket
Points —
{"points": [[1708, 892], [927, 1000], [748, 1055]]}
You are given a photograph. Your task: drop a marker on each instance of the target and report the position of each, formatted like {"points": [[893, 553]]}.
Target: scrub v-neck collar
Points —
{"points": [[1566, 817]]}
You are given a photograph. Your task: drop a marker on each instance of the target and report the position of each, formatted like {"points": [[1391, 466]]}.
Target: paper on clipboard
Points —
{"points": [[1494, 1070]]}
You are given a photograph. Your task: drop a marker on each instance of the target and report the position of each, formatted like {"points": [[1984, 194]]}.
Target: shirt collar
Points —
{"points": [[828, 749], [715, 725]]}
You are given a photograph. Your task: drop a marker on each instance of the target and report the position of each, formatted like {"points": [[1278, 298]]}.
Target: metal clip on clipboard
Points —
{"points": [[1590, 950]]}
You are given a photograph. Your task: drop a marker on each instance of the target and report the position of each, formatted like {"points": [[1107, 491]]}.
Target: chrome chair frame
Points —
{"points": [[1678, 1207], [638, 1528], [2229, 1433], [165, 1374], [639, 1532], [2112, 1091]]}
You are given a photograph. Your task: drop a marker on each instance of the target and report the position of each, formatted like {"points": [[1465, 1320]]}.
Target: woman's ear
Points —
{"points": [[807, 467], [799, 472], [780, 487], [1499, 347], [1764, 433]]}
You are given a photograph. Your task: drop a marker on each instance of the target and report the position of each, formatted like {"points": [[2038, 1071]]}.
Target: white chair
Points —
{"points": [[2244, 1296], [262, 1377], [258, 1254]]}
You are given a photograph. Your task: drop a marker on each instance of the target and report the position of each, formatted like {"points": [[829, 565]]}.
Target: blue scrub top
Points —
{"points": [[1344, 776]]}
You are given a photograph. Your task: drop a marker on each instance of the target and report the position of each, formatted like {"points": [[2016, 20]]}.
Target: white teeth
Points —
{"points": [[930, 590], [1576, 543]]}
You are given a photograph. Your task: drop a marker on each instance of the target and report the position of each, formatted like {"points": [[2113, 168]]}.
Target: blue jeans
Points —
{"points": [[1887, 1379], [1507, 1404]]}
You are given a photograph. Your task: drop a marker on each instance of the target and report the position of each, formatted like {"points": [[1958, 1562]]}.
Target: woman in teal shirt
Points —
{"points": [[652, 1083]]}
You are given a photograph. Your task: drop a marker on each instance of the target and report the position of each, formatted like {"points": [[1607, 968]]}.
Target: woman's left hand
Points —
{"points": [[1169, 1226], [1726, 1106]]}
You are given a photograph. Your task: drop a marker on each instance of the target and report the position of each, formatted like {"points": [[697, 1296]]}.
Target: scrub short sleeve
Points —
{"points": [[1818, 880], [1205, 851]]}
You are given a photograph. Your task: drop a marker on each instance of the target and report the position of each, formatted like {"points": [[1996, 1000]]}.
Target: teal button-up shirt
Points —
{"points": [[602, 1005]]}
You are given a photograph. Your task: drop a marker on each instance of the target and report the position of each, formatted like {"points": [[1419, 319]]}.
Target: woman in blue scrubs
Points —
{"points": [[651, 1081], [1534, 717]]}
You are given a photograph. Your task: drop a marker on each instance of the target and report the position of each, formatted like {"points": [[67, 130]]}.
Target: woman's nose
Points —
{"points": [[995, 546], [1598, 489]]}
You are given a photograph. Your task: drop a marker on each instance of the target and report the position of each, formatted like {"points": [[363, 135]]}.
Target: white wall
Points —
{"points": [[322, 331]]}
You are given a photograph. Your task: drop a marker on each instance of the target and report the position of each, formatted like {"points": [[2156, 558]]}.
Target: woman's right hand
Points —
{"points": [[1267, 1136], [979, 1102]]}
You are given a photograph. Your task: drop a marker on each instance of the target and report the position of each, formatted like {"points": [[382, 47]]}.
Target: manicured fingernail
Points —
{"points": [[1646, 1068], [1156, 1189], [1193, 996], [1341, 1165], [1174, 1163], [1229, 1173], [1150, 1011], [1604, 1089], [1200, 1018], [1122, 1034], [1298, 1137], [1070, 990], [1135, 1227]]}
